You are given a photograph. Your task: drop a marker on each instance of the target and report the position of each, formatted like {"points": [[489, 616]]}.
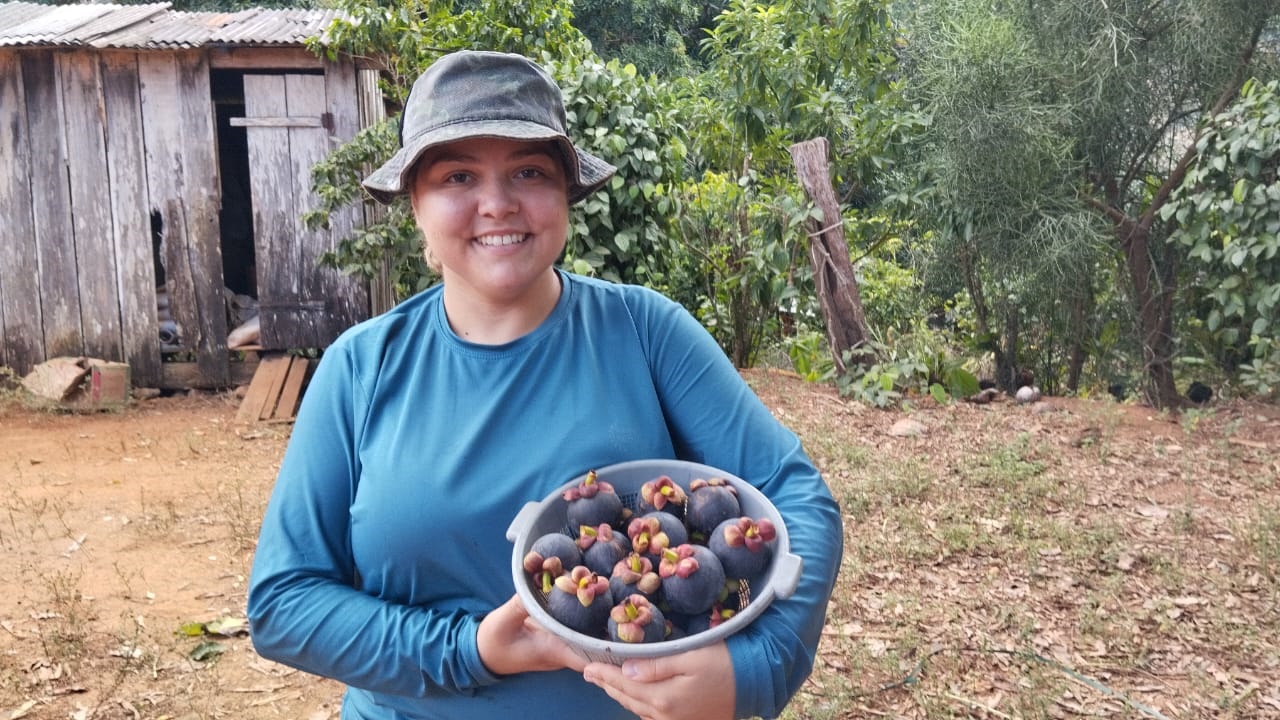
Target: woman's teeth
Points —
{"points": [[496, 240]]}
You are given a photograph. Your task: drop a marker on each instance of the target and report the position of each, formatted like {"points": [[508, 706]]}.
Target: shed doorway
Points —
{"points": [[283, 124]]}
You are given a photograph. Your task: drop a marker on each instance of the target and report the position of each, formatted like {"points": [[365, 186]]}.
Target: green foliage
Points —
{"points": [[620, 234], [654, 35], [920, 361], [1260, 376], [1054, 128], [1227, 213], [780, 73], [892, 291], [809, 355], [392, 244], [790, 71], [742, 249]]}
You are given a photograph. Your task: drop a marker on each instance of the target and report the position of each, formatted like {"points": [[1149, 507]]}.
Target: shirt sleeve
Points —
{"points": [[715, 418], [304, 606]]}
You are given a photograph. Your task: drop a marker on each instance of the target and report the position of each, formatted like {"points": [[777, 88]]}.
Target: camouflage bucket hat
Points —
{"points": [[484, 94]]}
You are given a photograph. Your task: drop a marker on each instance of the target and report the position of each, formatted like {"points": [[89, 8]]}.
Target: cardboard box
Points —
{"points": [[106, 385], [81, 383]]}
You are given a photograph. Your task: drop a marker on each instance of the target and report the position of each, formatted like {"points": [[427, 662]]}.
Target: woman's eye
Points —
{"points": [[456, 177], [531, 173]]}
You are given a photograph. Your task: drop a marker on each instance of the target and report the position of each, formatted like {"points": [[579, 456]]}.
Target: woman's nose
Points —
{"points": [[498, 198]]}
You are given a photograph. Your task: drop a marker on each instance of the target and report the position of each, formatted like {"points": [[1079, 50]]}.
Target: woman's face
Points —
{"points": [[494, 213]]}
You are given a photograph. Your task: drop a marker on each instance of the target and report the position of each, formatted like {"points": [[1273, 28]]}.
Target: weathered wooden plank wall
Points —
{"points": [[93, 253], [50, 193], [203, 196], [307, 145], [131, 216], [93, 144], [292, 122], [21, 322], [350, 299], [77, 257], [373, 110], [178, 124], [271, 186]]}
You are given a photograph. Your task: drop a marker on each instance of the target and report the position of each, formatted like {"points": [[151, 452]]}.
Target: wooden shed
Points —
{"points": [[154, 168]]}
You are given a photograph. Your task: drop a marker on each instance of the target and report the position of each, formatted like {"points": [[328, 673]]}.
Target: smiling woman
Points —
{"points": [[445, 416], [494, 213]]}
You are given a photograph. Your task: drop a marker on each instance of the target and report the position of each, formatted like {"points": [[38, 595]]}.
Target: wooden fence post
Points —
{"points": [[829, 254]]}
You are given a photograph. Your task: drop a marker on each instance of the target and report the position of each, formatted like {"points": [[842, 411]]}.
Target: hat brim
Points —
{"points": [[587, 172]]}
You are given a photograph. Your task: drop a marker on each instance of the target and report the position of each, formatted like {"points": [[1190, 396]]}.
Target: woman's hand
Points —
{"points": [[695, 685], [510, 642]]}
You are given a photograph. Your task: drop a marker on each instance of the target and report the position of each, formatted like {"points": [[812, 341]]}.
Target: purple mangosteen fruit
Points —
{"points": [[580, 600], [593, 502], [662, 494], [692, 578], [549, 557], [711, 502], [743, 545], [654, 532], [635, 575], [636, 620], [602, 547]]}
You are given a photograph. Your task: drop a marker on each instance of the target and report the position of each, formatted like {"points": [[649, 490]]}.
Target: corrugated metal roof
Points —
{"points": [[154, 26]]}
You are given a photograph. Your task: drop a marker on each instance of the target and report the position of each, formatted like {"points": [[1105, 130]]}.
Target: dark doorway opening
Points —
{"points": [[235, 218]]}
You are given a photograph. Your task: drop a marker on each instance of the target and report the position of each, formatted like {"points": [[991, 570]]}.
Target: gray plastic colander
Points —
{"points": [[538, 518]]}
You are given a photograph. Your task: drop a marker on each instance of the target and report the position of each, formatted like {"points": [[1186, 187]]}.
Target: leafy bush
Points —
{"points": [[922, 361], [1228, 216], [739, 248]]}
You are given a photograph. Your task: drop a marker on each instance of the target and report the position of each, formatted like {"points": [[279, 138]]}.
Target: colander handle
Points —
{"points": [[786, 574], [522, 520]]}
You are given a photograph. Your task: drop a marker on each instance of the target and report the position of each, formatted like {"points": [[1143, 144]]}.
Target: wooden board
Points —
{"points": [[51, 207], [21, 319], [292, 122], [291, 392], [93, 245], [126, 173], [275, 389]]}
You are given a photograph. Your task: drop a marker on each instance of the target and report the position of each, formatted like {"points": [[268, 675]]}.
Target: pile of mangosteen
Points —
{"points": [[681, 562]]}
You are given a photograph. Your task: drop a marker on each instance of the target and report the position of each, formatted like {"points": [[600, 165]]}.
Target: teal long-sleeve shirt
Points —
{"points": [[384, 541]]}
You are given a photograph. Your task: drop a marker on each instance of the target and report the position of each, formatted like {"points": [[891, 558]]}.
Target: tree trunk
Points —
{"points": [[1077, 331], [829, 254], [1153, 293]]}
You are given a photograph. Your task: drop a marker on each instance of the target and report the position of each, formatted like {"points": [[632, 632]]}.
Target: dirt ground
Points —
{"points": [[127, 538]]}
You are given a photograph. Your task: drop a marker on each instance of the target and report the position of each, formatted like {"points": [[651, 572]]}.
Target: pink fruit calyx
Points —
{"points": [[678, 561], [588, 536], [543, 570], [748, 533], [647, 536], [713, 482], [587, 488], [660, 491], [585, 584], [632, 616], [637, 571]]}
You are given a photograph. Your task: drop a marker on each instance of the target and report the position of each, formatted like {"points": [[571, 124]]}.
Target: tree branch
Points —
{"points": [[1113, 214], [1229, 93]]}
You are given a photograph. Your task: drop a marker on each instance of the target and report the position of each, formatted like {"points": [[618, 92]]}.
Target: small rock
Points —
{"points": [[1027, 394], [907, 427]]}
